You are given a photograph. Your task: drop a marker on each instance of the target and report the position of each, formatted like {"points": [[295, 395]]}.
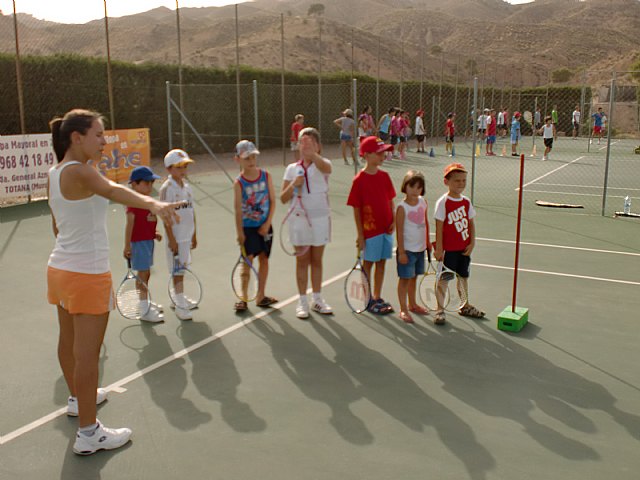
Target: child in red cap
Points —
{"points": [[371, 197], [455, 235]]}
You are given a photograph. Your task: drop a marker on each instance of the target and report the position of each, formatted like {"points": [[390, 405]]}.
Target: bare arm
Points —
{"points": [[439, 245], [128, 230], [472, 238], [237, 206], [402, 253], [264, 228], [359, 228]]}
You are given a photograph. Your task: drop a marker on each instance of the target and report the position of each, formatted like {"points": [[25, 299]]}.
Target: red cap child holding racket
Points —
{"points": [[455, 235], [371, 197]]}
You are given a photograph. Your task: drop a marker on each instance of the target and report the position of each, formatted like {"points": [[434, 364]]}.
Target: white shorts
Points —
{"points": [[184, 255], [302, 235]]}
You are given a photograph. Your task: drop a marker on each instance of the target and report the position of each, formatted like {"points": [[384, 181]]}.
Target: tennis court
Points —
{"points": [[265, 395]]}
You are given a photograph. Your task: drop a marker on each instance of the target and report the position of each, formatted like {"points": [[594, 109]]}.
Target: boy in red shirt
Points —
{"points": [[371, 197], [455, 234], [140, 234]]}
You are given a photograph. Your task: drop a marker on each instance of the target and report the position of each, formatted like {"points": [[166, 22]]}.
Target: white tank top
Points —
{"points": [[415, 228], [547, 131], [81, 245]]}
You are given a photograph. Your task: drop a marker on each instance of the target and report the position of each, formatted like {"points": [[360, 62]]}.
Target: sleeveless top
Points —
{"points": [[415, 228], [255, 200], [81, 245]]}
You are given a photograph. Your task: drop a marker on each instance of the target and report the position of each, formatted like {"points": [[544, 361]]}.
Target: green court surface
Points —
{"points": [[265, 395]]}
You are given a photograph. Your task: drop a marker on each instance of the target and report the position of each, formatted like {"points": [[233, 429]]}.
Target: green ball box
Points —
{"points": [[513, 321]]}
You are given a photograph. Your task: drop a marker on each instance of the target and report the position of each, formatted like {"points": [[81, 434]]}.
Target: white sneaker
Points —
{"points": [[72, 402], [157, 306], [545, 159], [153, 316], [102, 439], [322, 307], [183, 313], [189, 305], [302, 310]]}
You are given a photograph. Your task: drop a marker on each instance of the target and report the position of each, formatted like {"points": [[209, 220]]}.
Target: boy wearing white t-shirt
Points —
{"points": [[181, 237]]}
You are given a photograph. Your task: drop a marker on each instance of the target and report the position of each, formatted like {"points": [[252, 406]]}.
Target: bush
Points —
{"points": [[561, 75]]}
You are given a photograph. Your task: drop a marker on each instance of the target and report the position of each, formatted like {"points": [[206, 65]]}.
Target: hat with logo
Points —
{"points": [[373, 145], [244, 148], [176, 157], [454, 167], [142, 173]]}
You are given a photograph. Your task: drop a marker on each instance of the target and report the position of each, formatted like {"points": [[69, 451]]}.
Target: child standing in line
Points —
{"points": [[491, 132], [310, 177], [371, 197], [347, 124], [449, 133], [420, 132], [515, 134], [455, 236], [412, 235], [139, 236], [548, 132], [254, 203], [296, 126], [181, 237]]}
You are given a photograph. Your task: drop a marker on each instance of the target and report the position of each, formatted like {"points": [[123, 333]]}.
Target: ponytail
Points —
{"points": [[76, 120]]}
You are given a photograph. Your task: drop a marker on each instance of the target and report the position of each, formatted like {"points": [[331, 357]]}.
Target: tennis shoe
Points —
{"points": [[302, 310], [153, 316], [103, 438], [183, 313], [322, 307], [157, 306], [72, 402]]}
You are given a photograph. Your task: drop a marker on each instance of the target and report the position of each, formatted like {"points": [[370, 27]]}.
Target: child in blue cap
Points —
{"points": [[139, 236]]}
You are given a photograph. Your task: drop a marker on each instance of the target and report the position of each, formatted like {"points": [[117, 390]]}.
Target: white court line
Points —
{"points": [[118, 386], [566, 247], [559, 274], [549, 173], [573, 193], [587, 186]]}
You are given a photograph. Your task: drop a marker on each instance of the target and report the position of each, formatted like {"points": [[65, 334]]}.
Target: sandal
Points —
{"points": [[266, 302], [406, 317], [240, 306], [419, 310], [439, 318], [470, 311], [386, 305]]}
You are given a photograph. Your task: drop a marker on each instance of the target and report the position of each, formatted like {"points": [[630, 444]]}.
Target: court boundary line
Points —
{"points": [[586, 186], [549, 173], [567, 247], [118, 386]]}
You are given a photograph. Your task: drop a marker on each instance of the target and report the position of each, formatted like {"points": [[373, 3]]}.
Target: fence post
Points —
{"points": [[378, 84], [169, 126], [401, 69], [23, 126], [356, 139], [183, 140], [475, 128], [612, 94], [109, 79], [282, 102], [255, 113], [320, 76], [238, 104], [433, 113]]}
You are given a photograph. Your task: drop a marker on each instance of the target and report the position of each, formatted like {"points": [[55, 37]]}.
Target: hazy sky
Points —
{"points": [[81, 11]]}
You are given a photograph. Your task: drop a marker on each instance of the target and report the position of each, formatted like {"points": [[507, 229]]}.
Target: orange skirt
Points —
{"points": [[79, 293]]}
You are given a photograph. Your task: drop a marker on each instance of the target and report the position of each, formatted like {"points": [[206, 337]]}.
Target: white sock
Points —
{"points": [[144, 305], [317, 297], [88, 431], [303, 300]]}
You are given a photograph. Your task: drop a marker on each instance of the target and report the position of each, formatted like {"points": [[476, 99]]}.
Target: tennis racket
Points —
{"points": [[357, 289], [451, 287], [244, 278], [428, 286], [185, 289], [295, 221], [133, 299]]}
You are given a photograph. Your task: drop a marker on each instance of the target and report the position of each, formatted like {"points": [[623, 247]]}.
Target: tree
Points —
{"points": [[635, 67], [561, 75], [316, 9]]}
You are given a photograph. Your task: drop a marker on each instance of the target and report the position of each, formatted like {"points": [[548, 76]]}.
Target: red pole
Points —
{"points": [[518, 221]]}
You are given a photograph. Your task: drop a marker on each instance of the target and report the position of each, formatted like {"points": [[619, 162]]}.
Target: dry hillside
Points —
{"points": [[511, 43]]}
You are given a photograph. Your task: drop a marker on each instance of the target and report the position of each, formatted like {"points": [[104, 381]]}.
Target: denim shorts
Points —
{"points": [[345, 137], [142, 255], [378, 248], [414, 267]]}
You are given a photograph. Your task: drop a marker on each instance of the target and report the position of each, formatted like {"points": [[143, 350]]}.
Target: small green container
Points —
{"points": [[513, 321]]}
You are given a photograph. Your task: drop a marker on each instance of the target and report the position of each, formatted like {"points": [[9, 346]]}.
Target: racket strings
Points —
{"points": [[132, 298], [244, 281]]}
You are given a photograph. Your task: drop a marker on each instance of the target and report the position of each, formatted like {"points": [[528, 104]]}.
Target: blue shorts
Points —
{"points": [[345, 137], [142, 255], [491, 139], [514, 139], [457, 262], [378, 248], [414, 267]]}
